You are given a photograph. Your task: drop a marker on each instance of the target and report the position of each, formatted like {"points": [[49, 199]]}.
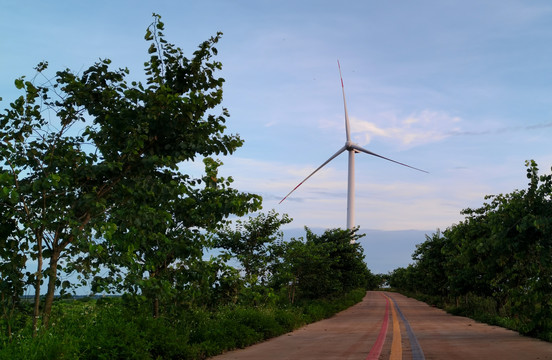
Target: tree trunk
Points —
{"points": [[52, 277], [291, 291], [36, 310]]}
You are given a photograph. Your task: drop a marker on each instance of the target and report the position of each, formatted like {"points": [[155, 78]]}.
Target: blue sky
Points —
{"points": [[462, 89]]}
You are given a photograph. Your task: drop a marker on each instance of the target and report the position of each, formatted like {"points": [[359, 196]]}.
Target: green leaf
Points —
{"points": [[14, 196], [148, 35], [19, 83]]}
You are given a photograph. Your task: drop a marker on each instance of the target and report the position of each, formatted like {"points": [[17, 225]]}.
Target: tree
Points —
{"points": [[501, 251], [430, 265], [45, 188], [322, 265], [157, 240], [518, 246], [78, 149], [12, 265], [250, 243], [402, 278]]}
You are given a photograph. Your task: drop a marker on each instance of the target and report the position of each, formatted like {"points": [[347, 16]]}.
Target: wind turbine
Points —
{"points": [[352, 148]]}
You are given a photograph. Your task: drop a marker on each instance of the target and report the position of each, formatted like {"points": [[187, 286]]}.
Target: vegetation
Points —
{"points": [[322, 266], [496, 265], [93, 183], [234, 312], [117, 329]]}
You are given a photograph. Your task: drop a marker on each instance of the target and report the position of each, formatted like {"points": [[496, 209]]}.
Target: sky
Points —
{"points": [[461, 89]]}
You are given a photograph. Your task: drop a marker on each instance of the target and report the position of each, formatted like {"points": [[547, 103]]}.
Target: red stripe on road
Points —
{"points": [[378, 345]]}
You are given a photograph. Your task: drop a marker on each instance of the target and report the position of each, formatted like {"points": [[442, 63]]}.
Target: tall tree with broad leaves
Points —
{"points": [[252, 243], [519, 246], [501, 251], [322, 265], [89, 160]]}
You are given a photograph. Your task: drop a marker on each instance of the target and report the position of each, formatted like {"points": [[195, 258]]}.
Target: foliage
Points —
{"points": [[45, 197], [501, 254], [274, 270], [321, 265], [12, 277], [252, 243], [109, 329], [93, 182], [90, 170]]}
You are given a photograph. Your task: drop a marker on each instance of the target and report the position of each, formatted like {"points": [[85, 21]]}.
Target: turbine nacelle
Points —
{"points": [[350, 145]]}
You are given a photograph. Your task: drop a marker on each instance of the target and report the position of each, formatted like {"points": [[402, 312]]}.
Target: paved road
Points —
{"points": [[392, 326]]}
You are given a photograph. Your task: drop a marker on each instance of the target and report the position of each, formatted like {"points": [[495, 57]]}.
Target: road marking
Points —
{"points": [[378, 345], [396, 345], [417, 353]]}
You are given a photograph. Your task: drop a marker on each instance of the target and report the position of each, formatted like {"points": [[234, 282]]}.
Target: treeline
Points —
{"points": [[291, 284], [314, 267], [496, 264], [95, 183]]}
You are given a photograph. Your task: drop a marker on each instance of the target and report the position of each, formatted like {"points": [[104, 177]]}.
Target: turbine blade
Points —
{"points": [[361, 149], [311, 174], [347, 127]]}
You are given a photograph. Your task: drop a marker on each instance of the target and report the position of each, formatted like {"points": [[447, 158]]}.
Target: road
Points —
{"points": [[391, 326]]}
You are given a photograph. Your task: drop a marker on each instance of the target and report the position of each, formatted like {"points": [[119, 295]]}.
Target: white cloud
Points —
{"points": [[416, 129]]}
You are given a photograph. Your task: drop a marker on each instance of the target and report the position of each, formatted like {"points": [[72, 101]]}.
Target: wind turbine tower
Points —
{"points": [[352, 148]]}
